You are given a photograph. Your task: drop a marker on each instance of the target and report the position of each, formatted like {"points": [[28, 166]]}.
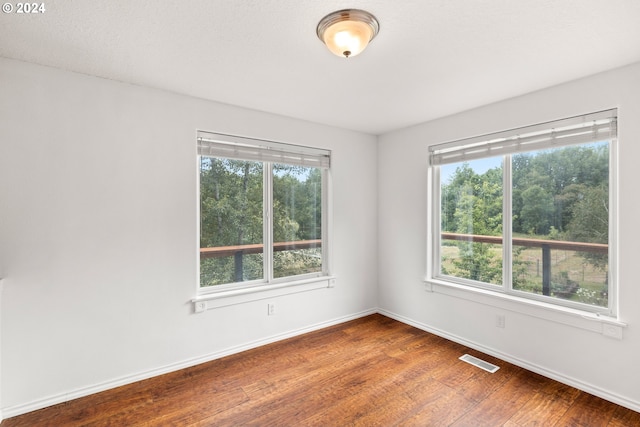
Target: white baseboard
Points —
{"points": [[573, 382], [13, 411]]}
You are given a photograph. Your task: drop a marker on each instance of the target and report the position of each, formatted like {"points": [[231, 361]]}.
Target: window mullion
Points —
{"points": [[268, 221], [612, 290], [507, 241], [434, 207], [326, 222]]}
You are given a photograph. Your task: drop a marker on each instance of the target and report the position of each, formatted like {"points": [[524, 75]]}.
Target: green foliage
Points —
{"points": [[590, 221], [519, 269], [232, 212], [558, 194], [231, 202], [536, 211], [472, 203], [546, 186], [291, 263], [478, 261], [297, 203], [561, 174]]}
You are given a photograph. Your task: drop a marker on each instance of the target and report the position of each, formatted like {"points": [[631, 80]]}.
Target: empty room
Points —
{"points": [[329, 213]]}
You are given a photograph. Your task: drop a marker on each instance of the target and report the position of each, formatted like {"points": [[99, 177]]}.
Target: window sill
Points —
{"points": [[605, 325], [224, 298]]}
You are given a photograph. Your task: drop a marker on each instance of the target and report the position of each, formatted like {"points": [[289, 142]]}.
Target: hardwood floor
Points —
{"points": [[373, 371]]}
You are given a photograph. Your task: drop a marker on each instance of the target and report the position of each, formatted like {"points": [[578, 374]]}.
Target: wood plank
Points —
{"points": [[501, 405], [540, 410], [588, 410], [437, 404], [623, 417]]}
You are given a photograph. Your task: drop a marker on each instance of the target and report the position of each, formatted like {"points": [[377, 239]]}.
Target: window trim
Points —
{"points": [[609, 326], [269, 153], [505, 292], [223, 298]]}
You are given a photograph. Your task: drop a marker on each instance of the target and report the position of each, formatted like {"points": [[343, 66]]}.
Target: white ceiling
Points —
{"points": [[431, 58]]}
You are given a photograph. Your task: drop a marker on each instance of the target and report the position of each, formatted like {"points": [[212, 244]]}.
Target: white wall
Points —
{"points": [[584, 358], [1, 286], [98, 234]]}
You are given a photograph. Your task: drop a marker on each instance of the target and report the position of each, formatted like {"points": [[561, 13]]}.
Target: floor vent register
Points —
{"points": [[489, 367]]}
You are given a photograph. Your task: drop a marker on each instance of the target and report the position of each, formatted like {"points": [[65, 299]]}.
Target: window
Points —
{"points": [[263, 211], [528, 212]]}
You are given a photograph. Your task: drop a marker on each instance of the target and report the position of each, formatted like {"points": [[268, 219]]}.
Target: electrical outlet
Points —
{"points": [[271, 309], [200, 306], [500, 320]]}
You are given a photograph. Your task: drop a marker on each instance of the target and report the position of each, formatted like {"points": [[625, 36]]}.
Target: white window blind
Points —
{"points": [[240, 148], [575, 130]]}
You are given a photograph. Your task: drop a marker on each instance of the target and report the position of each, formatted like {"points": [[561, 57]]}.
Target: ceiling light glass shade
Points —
{"points": [[347, 32]]}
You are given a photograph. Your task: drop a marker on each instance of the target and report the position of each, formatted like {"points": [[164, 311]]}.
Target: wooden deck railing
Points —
{"points": [[599, 248], [545, 245], [224, 251], [237, 252]]}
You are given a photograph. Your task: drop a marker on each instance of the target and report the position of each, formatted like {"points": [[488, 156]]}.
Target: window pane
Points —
{"points": [[297, 220], [561, 223], [231, 224], [471, 220]]}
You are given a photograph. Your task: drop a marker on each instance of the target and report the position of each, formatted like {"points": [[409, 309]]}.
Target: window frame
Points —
{"points": [[506, 290], [268, 152]]}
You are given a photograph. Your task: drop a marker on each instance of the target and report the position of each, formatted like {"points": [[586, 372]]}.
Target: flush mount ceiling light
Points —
{"points": [[347, 32]]}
